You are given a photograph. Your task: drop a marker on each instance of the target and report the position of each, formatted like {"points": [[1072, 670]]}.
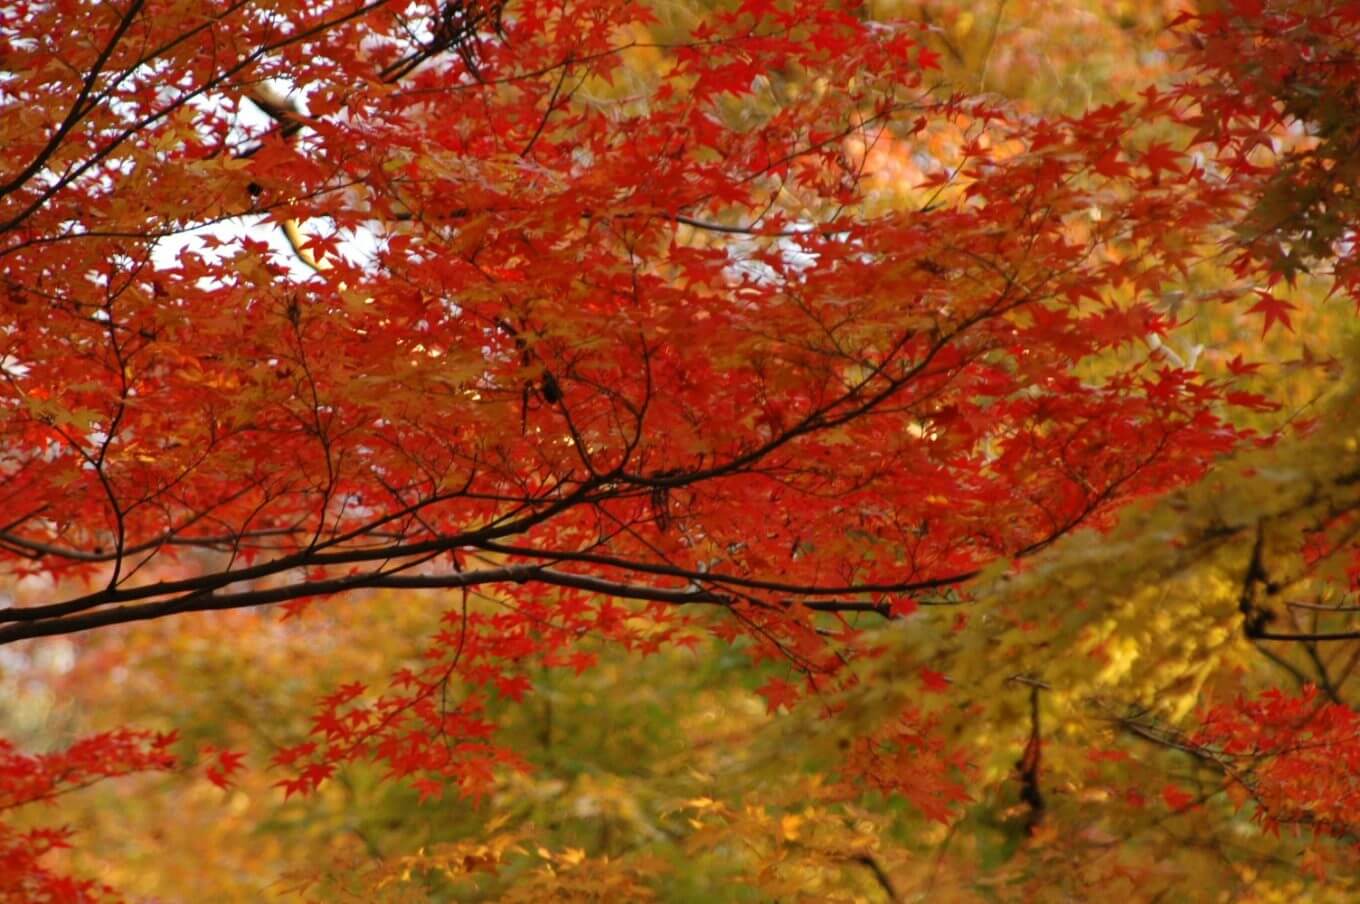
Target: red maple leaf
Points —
{"points": [[428, 789], [936, 682], [1176, 798], [1276, 310], [223, 764], [778, 694], [903, 606], [1239, 368], [1159, 156], [514, 687]]}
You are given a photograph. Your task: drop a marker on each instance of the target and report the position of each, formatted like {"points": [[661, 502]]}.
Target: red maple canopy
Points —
{"points": [[619, 330]]}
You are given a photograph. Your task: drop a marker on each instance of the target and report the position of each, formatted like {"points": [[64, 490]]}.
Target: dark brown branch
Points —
{"points": [[214, 600], [1028, 765], [870, 862], [718, 577], [1254, 618], [1310, 635]]}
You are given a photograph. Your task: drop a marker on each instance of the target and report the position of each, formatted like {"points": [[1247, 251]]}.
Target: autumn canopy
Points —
{"points": [[698, 450]]}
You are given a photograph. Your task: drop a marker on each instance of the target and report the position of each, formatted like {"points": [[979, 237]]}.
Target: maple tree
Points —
{"points": [[662, 328]]}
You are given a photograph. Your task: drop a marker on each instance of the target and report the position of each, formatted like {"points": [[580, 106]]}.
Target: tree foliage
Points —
{"points": [[917, 407]]}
